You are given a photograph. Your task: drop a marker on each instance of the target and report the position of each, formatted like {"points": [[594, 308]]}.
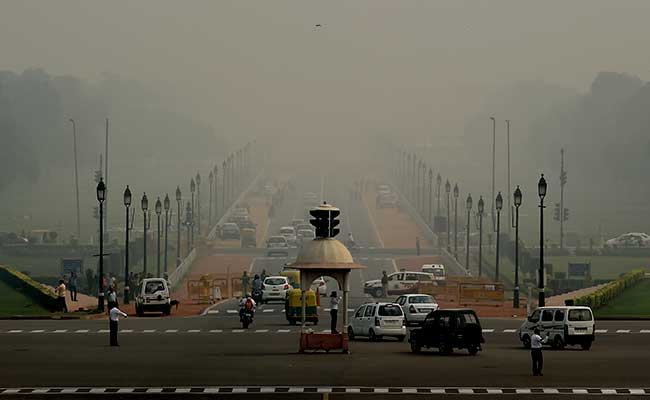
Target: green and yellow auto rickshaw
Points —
{"points": [[293, 307]]}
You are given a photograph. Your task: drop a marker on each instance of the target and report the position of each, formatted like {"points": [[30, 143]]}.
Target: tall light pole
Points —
{"points": [[167, 207], [430, 219], [178, 225], [144, 203], [76, 176], [224, 188], [508, 147], [481, 208], [106, 180], [101, 197], [448, 191], [413, 177], [494, 149], [423, 175], [158, 209], [517, 198], [192, 190], [468, 205], [417, 192], [215, 170], [127, 205], [499, 207], [188, 223], [438, 183], [456, 193], [211, 181], [541, 191], [198, 204]]}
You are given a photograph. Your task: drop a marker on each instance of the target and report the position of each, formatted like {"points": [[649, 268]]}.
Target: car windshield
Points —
{"points": [[580, 314], [153, 287], [286, 231], [275, 281], [277, 240], [390, 310], [421, 300]]}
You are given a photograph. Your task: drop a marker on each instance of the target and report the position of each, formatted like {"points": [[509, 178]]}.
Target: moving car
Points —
{"points": [[386, 200], [416, 307], [296, 222], [248, 238], [447, 330], [305, 234], [277, 245], [152, 295], [302, 227], [378, 320], [246, 223], [437, 270], [230, 230], [402, 282], [289, 233], [563, 325], [274, 288], [632, 239]]}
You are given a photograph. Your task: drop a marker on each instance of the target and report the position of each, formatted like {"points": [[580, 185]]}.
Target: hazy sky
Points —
{"points": [[374, 65]]}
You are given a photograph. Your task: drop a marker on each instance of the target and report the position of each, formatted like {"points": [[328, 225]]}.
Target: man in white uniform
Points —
{"points": [[114, 318]]}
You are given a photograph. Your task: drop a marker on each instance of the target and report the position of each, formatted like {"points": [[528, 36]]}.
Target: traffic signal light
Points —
{"points": [[565, 216], [556, 216], [325, 220]]}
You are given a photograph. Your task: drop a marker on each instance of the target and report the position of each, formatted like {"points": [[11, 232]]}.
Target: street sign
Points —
{"points": [[579, 270], [68, 265]]}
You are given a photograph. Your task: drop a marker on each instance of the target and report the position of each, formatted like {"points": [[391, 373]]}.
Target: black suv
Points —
{"points": [[449, 329]]}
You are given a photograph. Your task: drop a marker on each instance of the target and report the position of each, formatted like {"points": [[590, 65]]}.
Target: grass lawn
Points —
{"points": [[602, 267], [16, 303], [634, 302]]}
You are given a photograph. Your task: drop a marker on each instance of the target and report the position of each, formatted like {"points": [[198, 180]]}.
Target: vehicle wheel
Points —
{"points": [[526, 341], [138, 312], [245, 324], [372, 337], [379, 292], [350, 333], [472, 349], [585, 345], [558, 343], [444, 349], [400, 338], [415, 346], [167, 310]]}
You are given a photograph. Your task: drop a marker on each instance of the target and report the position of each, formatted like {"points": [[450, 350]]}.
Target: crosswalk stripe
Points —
{"points": [[284, 330], [237, 330], [37, 331], [81, 331], [171, 331], [16, 331], [216, 330], [231, 311], [488, 330], [623, 331], [148, 331], [269, 310], [600, 331], [103, 331], [261, 330], [213, 311], [126, 331], [60, 331], [644, 331], [193, 330], [509, 330]]}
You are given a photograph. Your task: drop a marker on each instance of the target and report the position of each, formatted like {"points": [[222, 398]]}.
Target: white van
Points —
{"points": [[402, 282], [563, 325], [152, 294], [437, 270]]}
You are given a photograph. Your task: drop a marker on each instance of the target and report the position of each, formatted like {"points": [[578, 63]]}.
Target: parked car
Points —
{"points": [[277, 245], [563, 325], [447, 330], [230, 230], [402, 282], [152, 294], [274, 288], [416, 307], [378, 320]]}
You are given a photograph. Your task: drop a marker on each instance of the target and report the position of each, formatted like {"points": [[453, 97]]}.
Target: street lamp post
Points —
{"points": [[224, 188], [448, 191], [456, 193], [167, 207], [517, 198], [430, 220], [494, 141], [127, 205], [417, 192], [144, 203], [188, 223], [216, 192], [423, 203], [211, 181], [158, 209], [541, 191], [413, 177], [192, 190], [198, 204], [178, 225], [438, 182], [76, 176], [101, 197], [481, 208], [499, 207], [468, 205]]}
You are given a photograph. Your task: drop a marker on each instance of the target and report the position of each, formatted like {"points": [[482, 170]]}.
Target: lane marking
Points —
{"points": [[216, 330], [126, 331], [284, 330], [268, 310], [644, 331], [237, 331], [60, 331], [193, 331], [623, 331], [231, 311], [81, 331], [171, 331], [148, 331], [16, 331], [261, 330], [488, 330], [37, 331], [509, 330], [600, 331], [103, 331], [213, 311]]}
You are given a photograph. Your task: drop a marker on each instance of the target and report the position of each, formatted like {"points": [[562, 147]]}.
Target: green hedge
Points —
{"points": [[611, 290], [41, 295]]}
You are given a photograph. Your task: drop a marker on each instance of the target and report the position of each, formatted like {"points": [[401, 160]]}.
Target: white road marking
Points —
{"points": [[231, 311], [284, 330], [213, 311], [623, 331], [268, 310], [37, 331], [327, 310], [600, 331], [216, 330], [126, 331], [81, 331], [60, 331], [193, 330], [103, 331], [488, 330], [644, 331], [171, 331], [509, 330], [261, 330], [16, 331], [237, 331], [148, 331]]}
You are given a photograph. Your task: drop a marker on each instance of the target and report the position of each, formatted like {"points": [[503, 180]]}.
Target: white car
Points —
{"points": [[401, 282], [437, 270], [152, 294], [377, 320], [416, 307], [320, 285], [289, 233], [277, 245], [562, 325], [274, 288], [632, 239], [305, 235]]}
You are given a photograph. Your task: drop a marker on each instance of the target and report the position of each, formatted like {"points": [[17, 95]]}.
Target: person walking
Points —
{"points": [[73, 286], [113, 320], [334, 311], [245, 283], [384, 283], [60, 295], [536, 342], [417, 245], [263, 275]]}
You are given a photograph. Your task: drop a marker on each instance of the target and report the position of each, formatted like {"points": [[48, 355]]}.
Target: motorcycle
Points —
{"points": [[246, 318], [257, 296]]}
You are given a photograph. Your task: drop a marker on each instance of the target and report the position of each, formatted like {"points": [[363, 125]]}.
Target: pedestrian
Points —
{"points": [[112, 298], [73, 286], [60, 295], [384, 284], [113, 319], [334, 311], [417, 245], [245, 283], [263, 275], [536, 342]]}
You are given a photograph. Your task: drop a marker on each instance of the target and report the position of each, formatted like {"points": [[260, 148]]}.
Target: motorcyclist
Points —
{"points": [[247, 304], [256, 285]]}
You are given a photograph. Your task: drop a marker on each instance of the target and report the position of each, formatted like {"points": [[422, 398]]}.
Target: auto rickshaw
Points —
{"points": [[293, 307], [294, 277], [248, 238]]}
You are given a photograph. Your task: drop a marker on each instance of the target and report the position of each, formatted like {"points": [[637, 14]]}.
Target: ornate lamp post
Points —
{"points": [[417, 192], [481, 208], [430, 220], [517, 200], [192, 190], [188, 223], [456, 193], [198, 204], [127, 205], [178, 225], [215, 171], [224, 188], [448, 191], [423, 202], [468, 205], [167, 207], [499, 207], [211, 181], [438, 183], [144, 203], [101, 197], [158, 209], [541, 191]]}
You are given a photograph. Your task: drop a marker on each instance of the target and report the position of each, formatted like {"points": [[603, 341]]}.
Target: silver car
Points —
{"points": [[416, 307]]}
